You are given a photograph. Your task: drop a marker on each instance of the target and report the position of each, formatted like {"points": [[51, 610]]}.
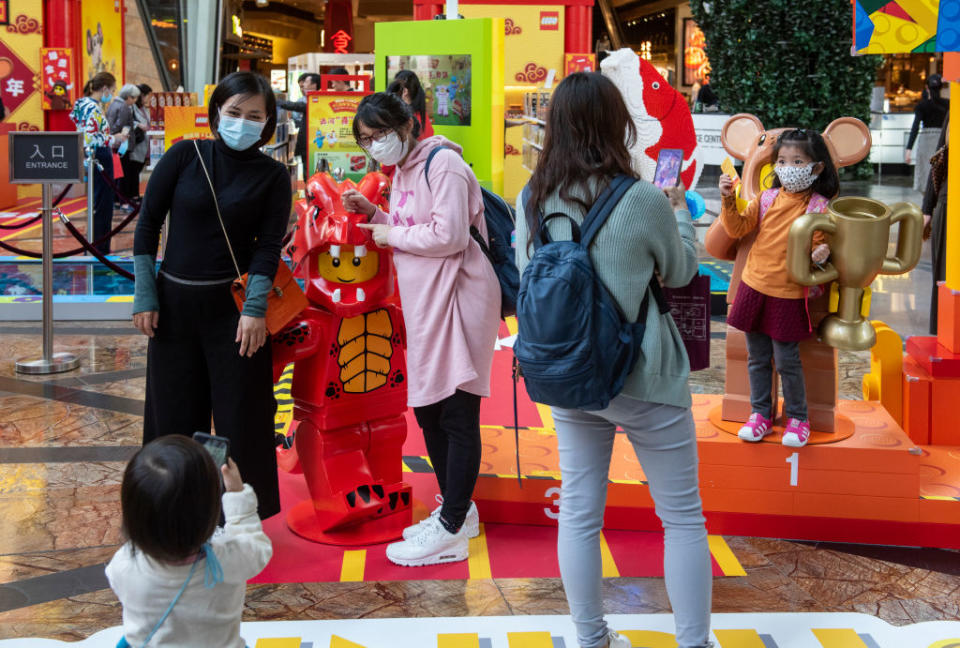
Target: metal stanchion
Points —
{"points": [[50, 362], [91, 163]]}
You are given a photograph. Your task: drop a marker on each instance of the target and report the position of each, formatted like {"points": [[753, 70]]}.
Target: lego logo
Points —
{"points": [[549, 20]]}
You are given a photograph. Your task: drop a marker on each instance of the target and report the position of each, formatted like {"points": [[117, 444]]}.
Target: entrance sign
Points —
{"points": [[37, 157]]}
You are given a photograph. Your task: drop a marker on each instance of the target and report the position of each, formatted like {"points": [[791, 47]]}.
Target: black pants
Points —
{"points": [[102, 199], [130, 182], [194, 367], [451, 429], [938, 254]]}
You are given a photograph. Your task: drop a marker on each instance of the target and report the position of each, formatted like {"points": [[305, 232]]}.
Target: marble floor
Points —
{"points": [[64, 441]]}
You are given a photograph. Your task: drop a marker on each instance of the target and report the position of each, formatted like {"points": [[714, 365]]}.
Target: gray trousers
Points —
{"points": [[664, 439], [762, 348]]}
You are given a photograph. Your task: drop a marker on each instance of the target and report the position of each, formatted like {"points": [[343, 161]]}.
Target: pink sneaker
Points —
{"points": [[797, 433], [755, 428]]}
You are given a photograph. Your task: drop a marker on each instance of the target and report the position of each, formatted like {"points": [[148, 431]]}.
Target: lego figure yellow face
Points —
{"points": [[348, 264]]}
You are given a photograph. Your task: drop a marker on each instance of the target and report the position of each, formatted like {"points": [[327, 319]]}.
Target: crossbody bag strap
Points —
{"points": [[176, 598], [216, 205]]}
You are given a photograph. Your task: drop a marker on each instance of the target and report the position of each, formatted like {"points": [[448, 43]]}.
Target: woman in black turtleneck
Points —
{"points": [[931, 111], [203, 356]]}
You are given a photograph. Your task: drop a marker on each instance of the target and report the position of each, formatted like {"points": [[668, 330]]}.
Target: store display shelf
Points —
{"points": [[533, 144]]}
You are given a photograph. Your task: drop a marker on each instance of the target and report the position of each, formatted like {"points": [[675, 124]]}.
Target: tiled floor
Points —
{"points": [[64, 441]]}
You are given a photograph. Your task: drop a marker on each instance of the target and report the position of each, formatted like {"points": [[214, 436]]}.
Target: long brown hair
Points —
{"points": [[589, 133]]}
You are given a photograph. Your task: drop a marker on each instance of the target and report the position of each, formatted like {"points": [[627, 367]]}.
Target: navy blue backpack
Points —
{"points": [[575, 347], [501, 228]]}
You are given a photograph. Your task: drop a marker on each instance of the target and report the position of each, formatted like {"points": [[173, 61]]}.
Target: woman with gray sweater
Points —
{"points": [[588, 135]]}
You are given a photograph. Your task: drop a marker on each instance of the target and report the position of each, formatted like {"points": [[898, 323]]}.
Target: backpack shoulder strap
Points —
{"points": [[603, 206], [426, 167], [766, 201]]}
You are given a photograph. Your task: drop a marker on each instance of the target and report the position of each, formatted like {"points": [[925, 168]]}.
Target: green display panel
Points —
{"points": [[460, 64]]}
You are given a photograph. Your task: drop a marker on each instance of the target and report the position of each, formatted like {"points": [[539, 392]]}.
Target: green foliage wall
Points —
{"points": [[786, 61]]}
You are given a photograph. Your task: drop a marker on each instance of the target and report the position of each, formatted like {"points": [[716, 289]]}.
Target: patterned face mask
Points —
{"points": [[796, 178]]}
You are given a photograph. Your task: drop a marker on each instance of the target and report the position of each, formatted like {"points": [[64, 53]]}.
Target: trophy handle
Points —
{"points": [[799, 241], [909, 239]]}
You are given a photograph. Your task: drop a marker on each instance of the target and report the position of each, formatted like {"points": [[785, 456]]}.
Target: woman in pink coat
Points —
{"points": [[451, 309]]}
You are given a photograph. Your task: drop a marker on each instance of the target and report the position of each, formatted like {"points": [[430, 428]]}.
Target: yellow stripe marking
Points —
{"points": [[289, 642], [940, 498], [839, 638], [529, 640], [650, 638], [354, 561], [479, 560], [606, 558], [340, 642], [429, 463], [465, 640], [739, 639], [406, 468], [722, 553]]}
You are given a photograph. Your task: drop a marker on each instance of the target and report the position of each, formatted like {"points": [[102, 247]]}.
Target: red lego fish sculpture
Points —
{"points": [[659, 112]]}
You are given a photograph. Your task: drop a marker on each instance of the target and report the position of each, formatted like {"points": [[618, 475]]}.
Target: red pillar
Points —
{"points": [[579, 29], [61, 24], [426, 10]]}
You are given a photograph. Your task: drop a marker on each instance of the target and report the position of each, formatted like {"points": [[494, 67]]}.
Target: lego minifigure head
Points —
{"points": [[345, 271]]}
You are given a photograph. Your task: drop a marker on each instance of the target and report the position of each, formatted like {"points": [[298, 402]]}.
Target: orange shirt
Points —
{"points": [[766, 267]]}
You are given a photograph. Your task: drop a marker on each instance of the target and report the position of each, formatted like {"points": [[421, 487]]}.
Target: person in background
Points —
{"points": [[451, 307], [180, 582], [588, 134], [935, 217], [930, 112], [88, 116], [203, 356], [340, 85], [308, 83], [406, 85], [121, 120], [139, 148]]}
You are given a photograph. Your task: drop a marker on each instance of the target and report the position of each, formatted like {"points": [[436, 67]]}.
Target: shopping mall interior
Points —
{"points": [[850, 541]]}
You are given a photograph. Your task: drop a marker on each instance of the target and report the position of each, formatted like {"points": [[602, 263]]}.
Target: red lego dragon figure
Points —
{"points": [[349, 388]]}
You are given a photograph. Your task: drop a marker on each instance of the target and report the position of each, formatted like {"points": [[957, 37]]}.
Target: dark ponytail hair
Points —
{"points": [[812, 144], [100, 81], [384, 110], [588, 136], [409, 81]]}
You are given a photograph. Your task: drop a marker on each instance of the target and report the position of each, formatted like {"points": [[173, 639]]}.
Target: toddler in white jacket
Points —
{"points": [[176, 555]]}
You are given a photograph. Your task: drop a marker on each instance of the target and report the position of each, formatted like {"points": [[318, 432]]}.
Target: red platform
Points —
{"points": [[876, 486]]}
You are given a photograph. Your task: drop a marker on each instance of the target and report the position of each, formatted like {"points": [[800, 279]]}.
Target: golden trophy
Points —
{"points": [[858, 232]]}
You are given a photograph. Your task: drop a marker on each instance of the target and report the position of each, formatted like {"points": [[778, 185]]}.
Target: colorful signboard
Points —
{"points": [[56, 78], [482, 41], [158, 101], [446, 81], [330, 132], [101, 25], [579, 63], [185, 122], [696, 66], [905, 26]]}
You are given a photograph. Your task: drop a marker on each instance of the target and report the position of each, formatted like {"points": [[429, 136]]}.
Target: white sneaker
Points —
{"points": [[432, 546], [471, 523], [617, 640]]}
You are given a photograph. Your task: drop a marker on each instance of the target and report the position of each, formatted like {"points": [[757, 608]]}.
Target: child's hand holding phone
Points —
{"points": [[232, 481]]}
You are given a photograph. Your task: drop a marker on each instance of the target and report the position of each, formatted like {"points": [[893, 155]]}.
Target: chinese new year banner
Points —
{"points": [[101, 24], [329, 131], [185, 122], [446, 81], [59, 86]]}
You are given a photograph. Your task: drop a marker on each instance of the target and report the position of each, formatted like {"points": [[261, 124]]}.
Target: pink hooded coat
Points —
{"points": [[448, 289]]}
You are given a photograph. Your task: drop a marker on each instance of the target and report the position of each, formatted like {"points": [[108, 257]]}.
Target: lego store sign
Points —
{"points": [[550, 20]]}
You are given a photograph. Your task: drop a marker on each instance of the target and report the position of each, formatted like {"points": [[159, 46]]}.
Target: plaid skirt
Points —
{"points": [[784, 320]]}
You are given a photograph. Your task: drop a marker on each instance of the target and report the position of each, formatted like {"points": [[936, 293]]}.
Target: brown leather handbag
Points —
{"points": [[285, 299]]}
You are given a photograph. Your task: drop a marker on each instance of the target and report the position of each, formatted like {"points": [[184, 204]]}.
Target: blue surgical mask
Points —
{"points": [[238, 133], [106, 98]]}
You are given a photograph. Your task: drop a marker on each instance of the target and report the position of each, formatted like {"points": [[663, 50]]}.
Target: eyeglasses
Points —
{"points": [[366, 140]]}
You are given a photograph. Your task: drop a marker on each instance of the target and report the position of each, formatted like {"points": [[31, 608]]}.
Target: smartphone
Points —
{"points": [[669, 163], [217, 446]]}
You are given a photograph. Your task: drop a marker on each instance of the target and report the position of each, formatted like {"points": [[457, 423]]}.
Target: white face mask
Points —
{"points": [[796, 178], [388, 150]]}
